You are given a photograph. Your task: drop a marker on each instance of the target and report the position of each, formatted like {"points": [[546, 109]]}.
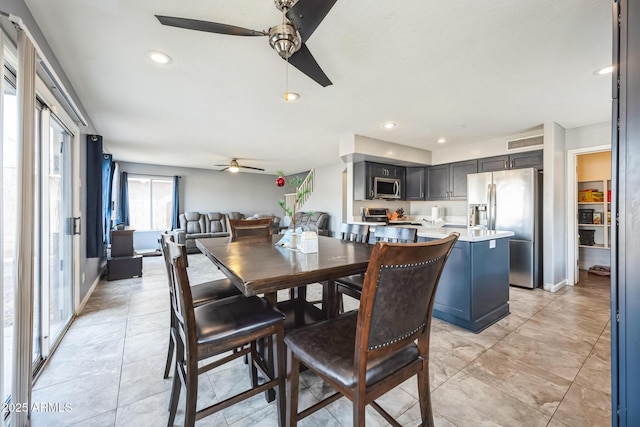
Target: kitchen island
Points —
{"points": [[473, 292]]}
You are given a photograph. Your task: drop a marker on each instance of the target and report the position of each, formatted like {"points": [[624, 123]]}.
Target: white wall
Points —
{"points": [[554, 217], [589, 136], [475, 150], [205, 190]]}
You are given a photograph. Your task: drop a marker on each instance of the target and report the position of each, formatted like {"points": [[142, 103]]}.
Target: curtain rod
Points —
{"points": [[46, 66]]}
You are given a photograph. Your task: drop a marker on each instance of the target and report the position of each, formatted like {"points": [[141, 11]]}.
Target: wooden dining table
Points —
{"points": [[258, 266]]}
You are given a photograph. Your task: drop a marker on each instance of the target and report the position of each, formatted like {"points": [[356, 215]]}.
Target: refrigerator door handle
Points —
{"points": [[489, 202], [493, 207]]}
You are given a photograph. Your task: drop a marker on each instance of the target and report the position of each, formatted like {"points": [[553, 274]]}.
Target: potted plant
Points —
{"points": [[290, 209]]}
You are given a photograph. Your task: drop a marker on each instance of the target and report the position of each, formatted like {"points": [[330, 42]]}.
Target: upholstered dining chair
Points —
{"points": [[200, 293], [231, 324], [245, 228], [364, 354], [354, 232], [352, 285]]}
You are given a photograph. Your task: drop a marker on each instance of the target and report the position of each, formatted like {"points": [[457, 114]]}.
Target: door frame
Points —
{"points": [[572, 207]]}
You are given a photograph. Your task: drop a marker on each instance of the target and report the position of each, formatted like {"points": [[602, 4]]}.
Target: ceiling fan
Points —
{"points": [[234, 166], [288, 38]]}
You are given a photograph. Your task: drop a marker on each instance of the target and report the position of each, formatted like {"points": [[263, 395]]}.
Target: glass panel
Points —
{"points": [[60, 238], [7, 234], [139, 203], [162, 199], [37, 272]]}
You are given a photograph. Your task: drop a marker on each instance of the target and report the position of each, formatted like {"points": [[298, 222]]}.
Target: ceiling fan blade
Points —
{"points": [[306, 15], [222, 170], [305, 62], [251, 167], [207, 26]]}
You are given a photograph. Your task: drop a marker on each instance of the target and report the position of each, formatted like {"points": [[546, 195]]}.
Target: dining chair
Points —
{"points": [[354, 232], [230, 324], [366, 353], [352, 285], [201, 293], [246, 228]]}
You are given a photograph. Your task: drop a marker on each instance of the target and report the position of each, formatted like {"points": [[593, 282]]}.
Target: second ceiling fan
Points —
{"points": [[288, 38]]}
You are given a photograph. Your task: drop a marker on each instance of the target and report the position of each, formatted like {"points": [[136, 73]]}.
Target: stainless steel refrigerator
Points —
{"points": [[510, 200]]}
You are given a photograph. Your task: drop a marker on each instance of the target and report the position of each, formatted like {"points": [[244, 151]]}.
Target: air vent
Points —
{"points": [[530, 141]]}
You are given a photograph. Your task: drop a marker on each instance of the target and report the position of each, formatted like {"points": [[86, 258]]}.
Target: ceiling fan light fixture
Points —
{"points": [[285, 39], [291, 96], [159, 57], [234, 166]]}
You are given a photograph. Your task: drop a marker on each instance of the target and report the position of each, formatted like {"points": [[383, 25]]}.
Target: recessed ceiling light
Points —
{"points": [[159, 57], [389, 125], [441, 140], [291, 96], [604, 70]]}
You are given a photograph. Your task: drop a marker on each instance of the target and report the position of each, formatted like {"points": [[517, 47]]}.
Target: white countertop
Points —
{"points": [[466, 234], [438, 232]]}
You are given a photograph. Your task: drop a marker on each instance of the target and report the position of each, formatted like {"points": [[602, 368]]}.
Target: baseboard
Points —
{"points": [[555, 288], [88, 295]]}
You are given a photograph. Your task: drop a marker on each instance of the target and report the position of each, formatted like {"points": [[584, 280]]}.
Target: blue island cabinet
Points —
{"points": [[473, 292]]}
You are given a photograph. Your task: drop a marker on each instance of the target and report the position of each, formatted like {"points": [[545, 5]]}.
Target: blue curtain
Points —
{"points": [[95, 242], [175, 206], [123, 201], [107, 180]]}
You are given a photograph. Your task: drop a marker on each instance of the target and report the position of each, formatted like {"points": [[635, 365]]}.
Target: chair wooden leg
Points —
{"points": [[174, 398], [358, 410], [424, 396], [192, 397], [293, 373], [167, 366], [253, 371], [281, 373]]}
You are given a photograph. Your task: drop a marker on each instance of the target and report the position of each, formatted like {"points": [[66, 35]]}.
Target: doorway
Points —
{"points": [[588, 223]]}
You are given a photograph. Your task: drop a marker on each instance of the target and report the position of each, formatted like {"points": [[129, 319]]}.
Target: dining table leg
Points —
{"points": [[330, 303]]}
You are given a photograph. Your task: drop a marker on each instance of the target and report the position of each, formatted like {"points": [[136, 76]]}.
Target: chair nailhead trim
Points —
{"points": [[415, 264], [398, 338]]}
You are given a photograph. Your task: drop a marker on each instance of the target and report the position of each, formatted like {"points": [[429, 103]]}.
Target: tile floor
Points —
{"points": [[546, 364]]}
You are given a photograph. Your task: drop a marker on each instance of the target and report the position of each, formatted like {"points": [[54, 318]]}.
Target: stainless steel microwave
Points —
{"points": [[386, 188]]}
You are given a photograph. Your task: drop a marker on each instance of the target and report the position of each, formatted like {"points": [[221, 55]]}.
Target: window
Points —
{"points": [[150, 201]]}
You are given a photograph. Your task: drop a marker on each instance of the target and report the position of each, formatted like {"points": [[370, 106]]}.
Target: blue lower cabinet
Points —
{"points": [[473, 292]]}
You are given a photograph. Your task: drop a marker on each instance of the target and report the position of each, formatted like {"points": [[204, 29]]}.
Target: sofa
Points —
{"points": [[196, 225], [319, 220]]}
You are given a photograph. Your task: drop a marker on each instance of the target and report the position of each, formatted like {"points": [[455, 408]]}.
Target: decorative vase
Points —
{"points": [[293, 241]]}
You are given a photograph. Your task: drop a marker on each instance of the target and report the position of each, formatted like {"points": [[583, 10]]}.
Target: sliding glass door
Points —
{"points": [[58, 306]]}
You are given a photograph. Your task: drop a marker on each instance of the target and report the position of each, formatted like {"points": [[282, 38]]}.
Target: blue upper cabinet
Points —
{"points": [[526, 159], [449, 181]]}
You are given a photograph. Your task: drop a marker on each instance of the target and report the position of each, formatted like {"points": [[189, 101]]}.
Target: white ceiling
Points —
{"points": [[461, 69]]}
